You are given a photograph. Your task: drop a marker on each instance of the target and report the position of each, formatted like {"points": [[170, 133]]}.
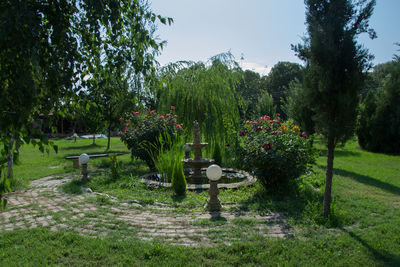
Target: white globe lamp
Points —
{"points": [[84, 159], [214, 172]]}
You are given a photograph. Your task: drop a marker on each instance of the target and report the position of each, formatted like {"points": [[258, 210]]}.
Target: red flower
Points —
{"points": [[128, 123], [136, 113], [267, 118], [303, 134], [227, 144], [179, 126], [266, 146], [161, 117], [152, 112], [167, 115], [126, 129], [278, 115], [121, 119], [176, 116], [172, 107]]}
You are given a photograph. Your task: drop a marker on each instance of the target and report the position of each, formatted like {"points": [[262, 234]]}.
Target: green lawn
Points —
{"points": [[363, 230]]}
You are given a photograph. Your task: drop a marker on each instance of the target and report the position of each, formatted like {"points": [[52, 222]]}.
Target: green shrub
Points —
{"points": [[114, 167], [379, 119], [145, 132], [217, 154], [178, 178], [277, 153]]}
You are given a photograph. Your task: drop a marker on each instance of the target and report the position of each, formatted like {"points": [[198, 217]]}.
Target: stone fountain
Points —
{"points": [[197, 162]]}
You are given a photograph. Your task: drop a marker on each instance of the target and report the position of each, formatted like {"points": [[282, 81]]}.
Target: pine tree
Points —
{"points": [[334, 70]]}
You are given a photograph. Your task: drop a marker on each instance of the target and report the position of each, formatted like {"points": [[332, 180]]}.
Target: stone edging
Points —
{"points": [[249, 181]]}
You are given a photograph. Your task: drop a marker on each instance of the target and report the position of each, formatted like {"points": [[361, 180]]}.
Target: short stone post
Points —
{"points": [[214, 173], [84, 160]]}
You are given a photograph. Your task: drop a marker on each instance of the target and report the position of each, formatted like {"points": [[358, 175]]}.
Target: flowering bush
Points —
{"points": [[277, 152], [146, 133]]}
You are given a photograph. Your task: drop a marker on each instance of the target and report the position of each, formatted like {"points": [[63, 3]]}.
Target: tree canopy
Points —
{"points": [[48, 47]]}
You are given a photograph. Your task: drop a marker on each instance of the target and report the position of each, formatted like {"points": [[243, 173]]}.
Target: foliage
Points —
{"points": [[379, 124], [217, 154], [146, 133], [204, 92], [277, 153], [115, 167], [170, 151], [334, 73], [264, 105], [178, 181], [249, 88], [278, 80], [296, 108], [48, 49]]}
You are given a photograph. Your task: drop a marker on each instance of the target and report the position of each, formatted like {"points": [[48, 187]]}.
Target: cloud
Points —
{"points": [[256, 67]]}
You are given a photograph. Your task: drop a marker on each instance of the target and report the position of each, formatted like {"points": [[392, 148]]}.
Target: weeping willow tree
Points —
{"points": [[205, 92]]}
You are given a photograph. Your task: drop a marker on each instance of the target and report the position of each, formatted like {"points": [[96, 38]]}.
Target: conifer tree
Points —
{"points": [[334, 70]]}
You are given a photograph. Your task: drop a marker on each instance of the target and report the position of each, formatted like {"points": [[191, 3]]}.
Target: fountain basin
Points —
{"points": [[238, 178]]}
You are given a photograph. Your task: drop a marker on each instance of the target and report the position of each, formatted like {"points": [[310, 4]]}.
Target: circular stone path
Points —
{"points": [[93, 214]]}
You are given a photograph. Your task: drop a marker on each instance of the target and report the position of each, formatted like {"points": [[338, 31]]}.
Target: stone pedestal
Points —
{"points": [[213, 203], [85, 173]]}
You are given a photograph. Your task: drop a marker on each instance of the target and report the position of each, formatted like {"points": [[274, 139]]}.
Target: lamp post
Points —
{"points": [[75, 136], [84, 160], [214, 173]]}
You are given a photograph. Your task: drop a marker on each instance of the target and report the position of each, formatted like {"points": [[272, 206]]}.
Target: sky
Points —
{"points": [[259, 33]]}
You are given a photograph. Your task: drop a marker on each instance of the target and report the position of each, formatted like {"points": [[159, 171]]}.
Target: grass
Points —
{"points": [[33, 164], [363, 229]]}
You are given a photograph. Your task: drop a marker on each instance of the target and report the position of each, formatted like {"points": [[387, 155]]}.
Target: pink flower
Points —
{"points": [[128, 124], [179, 126], [136, 113], [118, 133], [278, 115], [261, 118], [227, 144], [172, 107], [126, 129], [247, 122], [267, 118], [175, 116], [161, 117], [121, 119], [152, 112], [167, 115]]}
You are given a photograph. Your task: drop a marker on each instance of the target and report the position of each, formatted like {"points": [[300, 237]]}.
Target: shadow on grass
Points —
{"points": [[81, 148], [368, 181], [387, 258], [341, 153]]}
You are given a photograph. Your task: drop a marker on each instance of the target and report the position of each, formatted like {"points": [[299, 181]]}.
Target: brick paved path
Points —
{"points": [[43, 205]]}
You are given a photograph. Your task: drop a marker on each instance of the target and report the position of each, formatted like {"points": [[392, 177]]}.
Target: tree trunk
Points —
{"points": [[328, 180], [10, 160], [109, 135]]}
